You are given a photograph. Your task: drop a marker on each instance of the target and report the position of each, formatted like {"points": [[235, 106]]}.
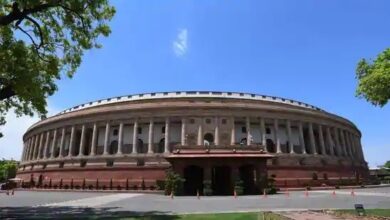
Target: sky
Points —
{"points": [[300, 49]]}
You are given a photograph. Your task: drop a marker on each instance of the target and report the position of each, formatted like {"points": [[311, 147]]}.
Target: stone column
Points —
{"points": [[62, 142], [312, 140], [216, 132], [94, 140], [183, 131], [23, 151], [37, 145], [150, 137], [337, 142], [350, 144], [53, 144], [248, 131], [343, 147], [166, 143], [360, 149], [347, 143], [262, 129], [31, 148], [135, 137], [71, 141], [321, 137], [120, 139], [46, 145], [28, 149], [330, 141], [106, 138], [289, 136], [276, 135], [200, 134], [82, 141], [233, 133], [40, 146]]}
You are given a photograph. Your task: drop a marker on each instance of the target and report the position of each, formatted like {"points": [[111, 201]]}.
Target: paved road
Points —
{"points": [[30, 204]]}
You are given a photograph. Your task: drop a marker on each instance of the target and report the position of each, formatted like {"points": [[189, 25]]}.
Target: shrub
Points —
{"points": [[160, 184], [207, 190], [173, 183]]}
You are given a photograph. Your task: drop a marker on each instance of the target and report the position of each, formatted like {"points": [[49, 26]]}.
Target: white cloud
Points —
{"points": [[180, 45], [11, 144]]}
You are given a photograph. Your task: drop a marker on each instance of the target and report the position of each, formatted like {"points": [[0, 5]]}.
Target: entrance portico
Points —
{"points": [[222, 166]]}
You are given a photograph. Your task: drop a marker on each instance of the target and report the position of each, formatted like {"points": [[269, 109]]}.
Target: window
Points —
{"points": [[208, 121], [110, 163], [224, 121], [139, 130], [61, 165], [83, 163], [192, 121], [44, 166], [163, 130], [268, 131], [243, 129], [115, 132]]}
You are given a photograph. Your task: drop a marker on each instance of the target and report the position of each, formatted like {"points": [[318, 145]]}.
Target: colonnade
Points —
{"points": [[331, 140]]}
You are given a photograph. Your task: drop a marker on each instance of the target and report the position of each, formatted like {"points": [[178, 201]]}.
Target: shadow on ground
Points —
{"points": [[79, 213]]}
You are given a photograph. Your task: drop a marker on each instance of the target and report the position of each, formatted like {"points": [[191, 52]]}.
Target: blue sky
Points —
{"points": [[305, 50]]}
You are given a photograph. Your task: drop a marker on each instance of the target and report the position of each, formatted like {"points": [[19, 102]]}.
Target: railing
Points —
{"points": [[219, 147]]}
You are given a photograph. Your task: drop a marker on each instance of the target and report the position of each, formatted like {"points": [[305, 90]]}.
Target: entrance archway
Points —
{"points": [[247, 177], [221, 180], [208, 139], [193, 176]]}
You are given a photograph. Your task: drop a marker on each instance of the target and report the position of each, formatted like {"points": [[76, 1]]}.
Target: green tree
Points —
{"points": [[7, 169], [387, 165], [374, 79], [40, 41]]}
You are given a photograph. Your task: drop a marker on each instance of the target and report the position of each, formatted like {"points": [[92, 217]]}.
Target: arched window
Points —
{"points": [[243, 141], [113, 147], [140, 146], [270, 146], [208, 139], [161, 146]]}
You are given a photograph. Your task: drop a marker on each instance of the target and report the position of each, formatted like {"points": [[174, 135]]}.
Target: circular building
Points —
{"points": [[129, 142]]}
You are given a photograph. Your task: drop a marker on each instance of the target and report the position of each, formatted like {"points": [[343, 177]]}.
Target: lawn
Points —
{"points": [[369, 212], [221, 216]]}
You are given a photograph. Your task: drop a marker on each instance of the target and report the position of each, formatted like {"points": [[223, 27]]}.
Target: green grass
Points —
{"points": [[369, 212], [221, 216]]}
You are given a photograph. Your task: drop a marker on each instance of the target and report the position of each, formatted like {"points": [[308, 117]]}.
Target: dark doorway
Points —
{"points": [[208, 139], [221, 180], [113, 147], [161, 146], [193, 176], [247, 176]]}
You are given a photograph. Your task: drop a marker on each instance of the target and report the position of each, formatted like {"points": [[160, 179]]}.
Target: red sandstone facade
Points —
{"points": [[129, 142]]}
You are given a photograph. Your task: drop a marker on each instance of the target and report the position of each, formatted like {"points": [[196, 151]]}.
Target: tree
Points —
{"points": [[7, 169], [40, 41], [374, 79], [387, 165]]}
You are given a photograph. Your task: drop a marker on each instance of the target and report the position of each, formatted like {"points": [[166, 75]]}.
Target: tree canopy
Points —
{"points": [[374, 79], [7, 169], [41, 41]]}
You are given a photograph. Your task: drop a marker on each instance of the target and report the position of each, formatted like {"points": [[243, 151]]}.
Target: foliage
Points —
{"points": [[387, 165], [207, 190], [173, 183], [271, 188], [7, 169], [374, 79], [39, 42], [160, 184]]}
